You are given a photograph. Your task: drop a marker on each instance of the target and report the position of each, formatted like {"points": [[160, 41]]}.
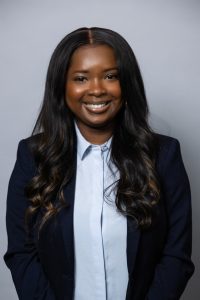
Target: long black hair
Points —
{"points": [[133, 144]]}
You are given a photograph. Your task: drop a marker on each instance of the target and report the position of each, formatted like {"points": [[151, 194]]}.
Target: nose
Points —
{"points": [[96, 88]]}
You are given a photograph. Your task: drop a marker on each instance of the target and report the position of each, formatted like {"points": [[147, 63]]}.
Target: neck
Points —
{"points": [[97, 136]]}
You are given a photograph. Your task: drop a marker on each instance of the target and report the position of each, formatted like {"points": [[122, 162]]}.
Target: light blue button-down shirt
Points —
{"points": [[100, 231]]}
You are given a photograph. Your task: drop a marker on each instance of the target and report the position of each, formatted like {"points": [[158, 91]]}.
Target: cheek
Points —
{"points": [[116, 91], [73, 93]]}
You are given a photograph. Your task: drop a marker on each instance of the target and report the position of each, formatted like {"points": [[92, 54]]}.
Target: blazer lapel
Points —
{"points": [[66, 225], [133, 238]]}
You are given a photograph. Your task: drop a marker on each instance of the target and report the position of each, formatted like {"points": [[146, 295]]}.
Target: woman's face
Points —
{"points": [[93, 91]]}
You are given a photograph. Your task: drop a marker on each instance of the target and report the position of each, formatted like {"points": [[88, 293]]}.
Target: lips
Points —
{"points": [[97, 107]]}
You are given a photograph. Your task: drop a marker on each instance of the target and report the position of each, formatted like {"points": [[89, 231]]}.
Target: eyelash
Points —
{"points": [[112, 76], [108, 76], [80, 78]]}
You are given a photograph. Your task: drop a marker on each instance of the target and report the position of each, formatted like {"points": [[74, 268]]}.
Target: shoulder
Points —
{"points": [[168, 153], [25, 152], [27, 145], [164, 142]]}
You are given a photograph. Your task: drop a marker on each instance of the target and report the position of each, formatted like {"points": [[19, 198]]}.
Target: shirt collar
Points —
{"points": [[83, 146]]}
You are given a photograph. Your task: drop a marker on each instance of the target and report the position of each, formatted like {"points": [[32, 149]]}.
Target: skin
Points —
{"points": [[92, 78]]}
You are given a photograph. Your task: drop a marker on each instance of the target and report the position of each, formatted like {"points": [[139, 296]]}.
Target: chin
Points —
{"points": [[101, 125]]}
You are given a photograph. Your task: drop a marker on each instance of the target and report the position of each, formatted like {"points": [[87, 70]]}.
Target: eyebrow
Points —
{"points": [[105, 70]]}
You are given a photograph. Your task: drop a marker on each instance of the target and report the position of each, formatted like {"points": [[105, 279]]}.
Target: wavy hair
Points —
{"points": [[53, 141]]}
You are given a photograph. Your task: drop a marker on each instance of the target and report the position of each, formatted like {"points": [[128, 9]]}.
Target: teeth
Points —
{"points": [[99, 105]]}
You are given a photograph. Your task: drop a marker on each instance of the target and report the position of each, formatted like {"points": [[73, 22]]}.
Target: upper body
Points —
{"points": [[158, 259], [94, 82]]}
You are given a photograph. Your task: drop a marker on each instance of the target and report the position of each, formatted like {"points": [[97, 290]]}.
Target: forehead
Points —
{"points": [[91, 55]]}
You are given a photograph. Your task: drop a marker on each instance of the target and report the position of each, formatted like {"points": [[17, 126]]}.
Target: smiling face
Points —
{"points": [[93, 90]]}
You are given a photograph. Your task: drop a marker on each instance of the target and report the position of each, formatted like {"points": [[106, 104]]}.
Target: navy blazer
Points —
{"points": [[159, 259]]}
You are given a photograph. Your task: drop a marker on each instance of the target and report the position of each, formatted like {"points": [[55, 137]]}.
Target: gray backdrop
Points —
{"points": [[165, 37]]}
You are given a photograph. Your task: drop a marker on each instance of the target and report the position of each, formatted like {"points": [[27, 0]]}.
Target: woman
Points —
{"points": [[98, 205]]}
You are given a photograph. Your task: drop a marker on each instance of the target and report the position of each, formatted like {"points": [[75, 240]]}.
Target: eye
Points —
{"points": [[112, 76], [80, 78]]}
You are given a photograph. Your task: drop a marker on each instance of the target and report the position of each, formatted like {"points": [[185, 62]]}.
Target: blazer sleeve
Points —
{"points": [[175, 266], [22, 256]]}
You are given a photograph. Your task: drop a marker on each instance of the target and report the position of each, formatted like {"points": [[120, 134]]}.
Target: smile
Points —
{"points": [[97, 107]]}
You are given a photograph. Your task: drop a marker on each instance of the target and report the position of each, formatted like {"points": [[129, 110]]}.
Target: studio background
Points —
{"points": [[165, 38]]}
